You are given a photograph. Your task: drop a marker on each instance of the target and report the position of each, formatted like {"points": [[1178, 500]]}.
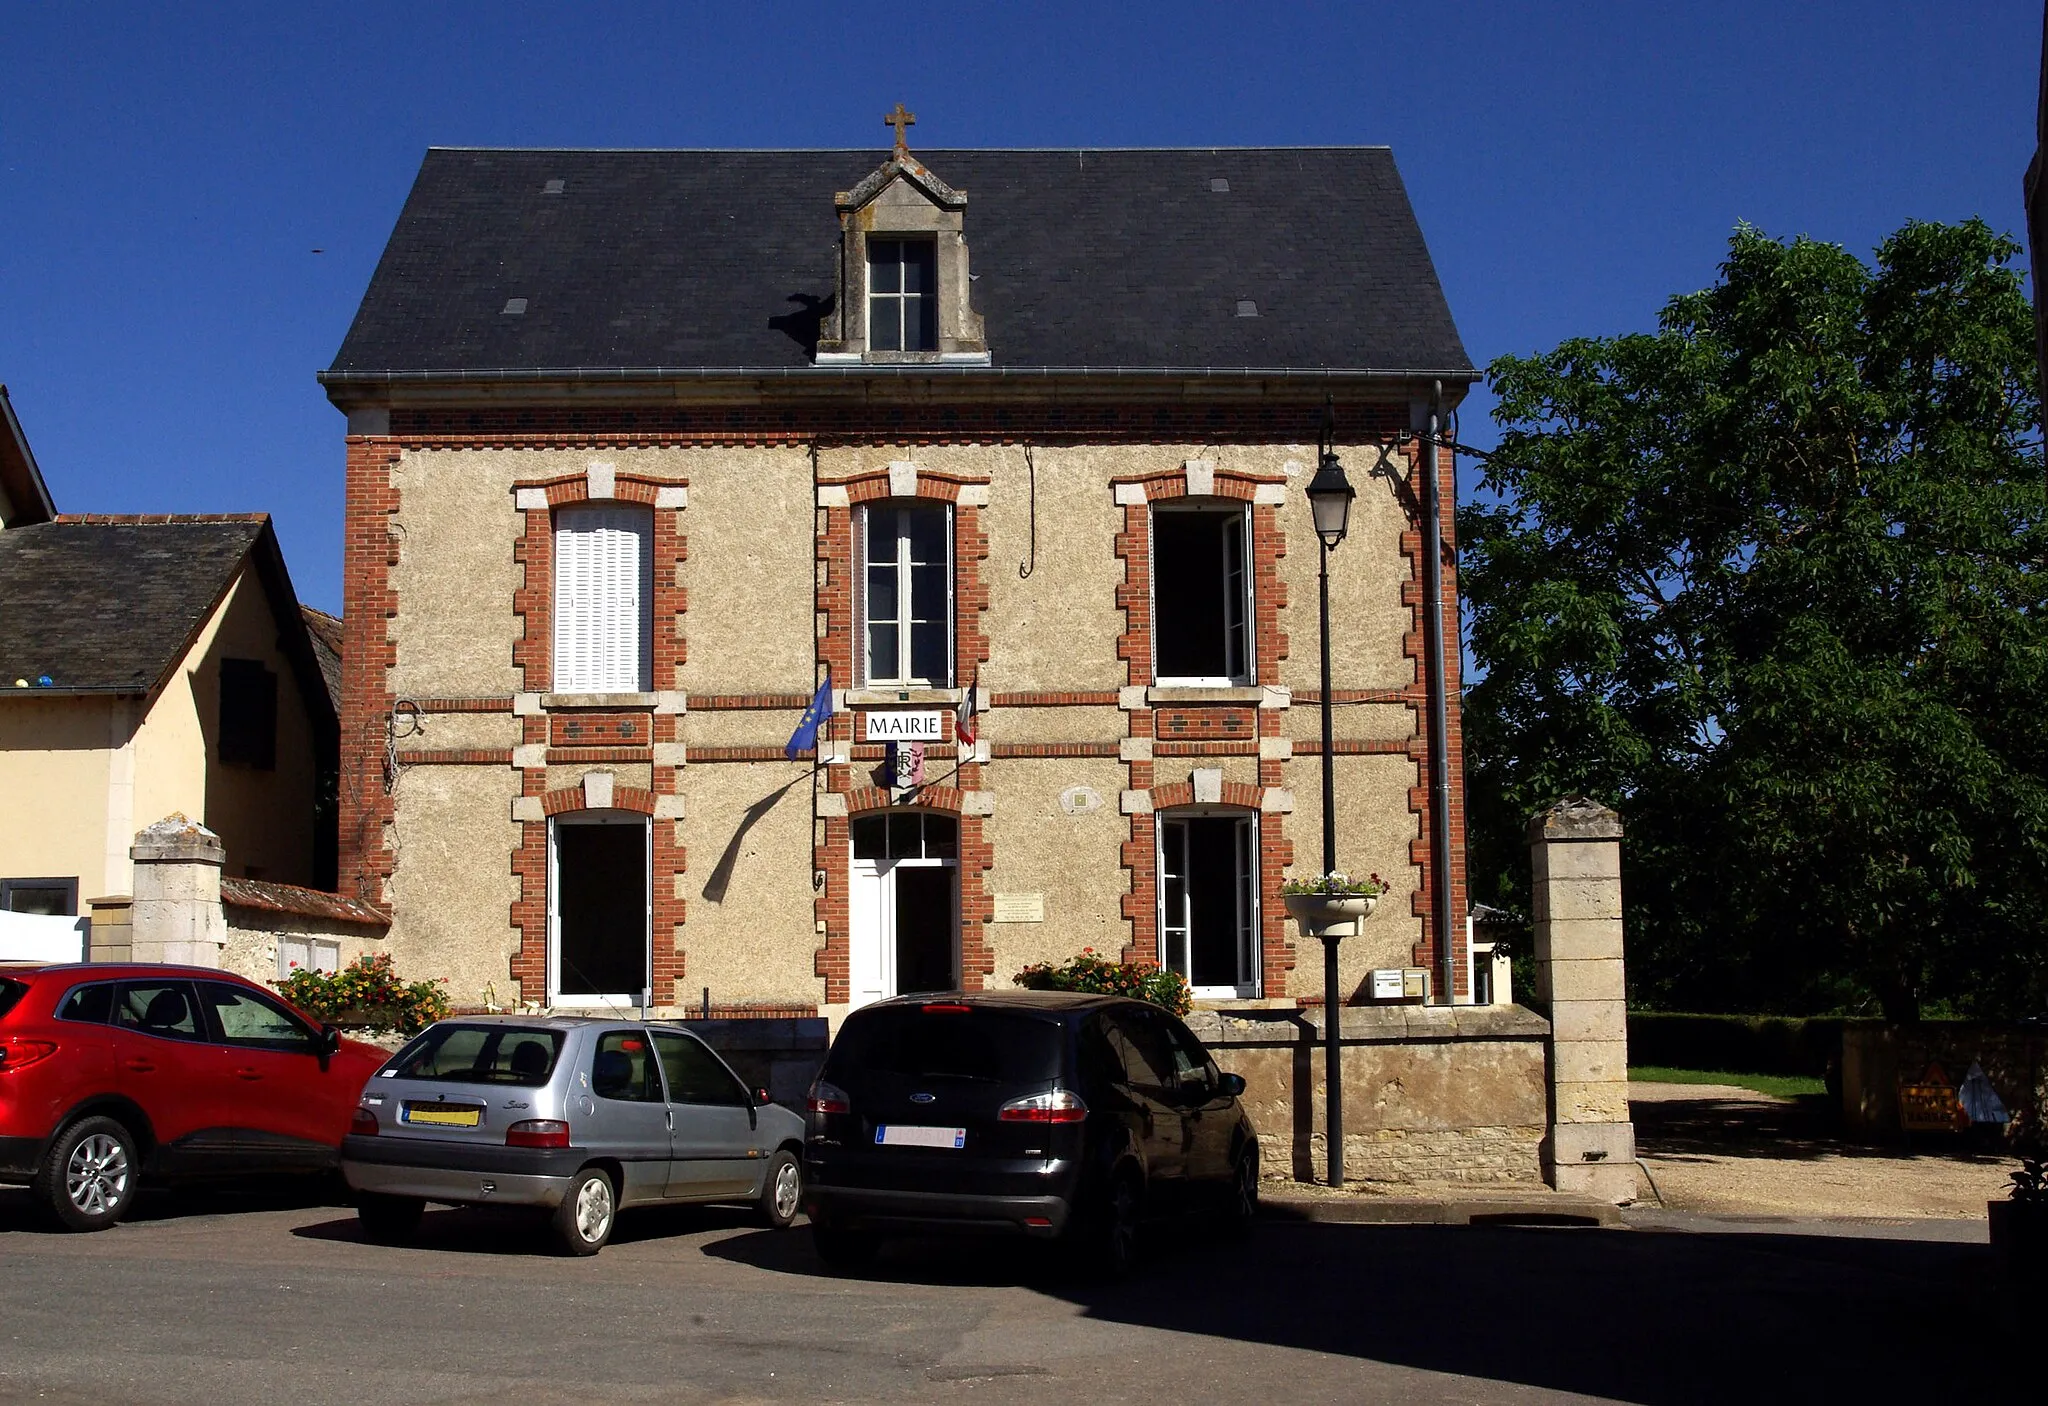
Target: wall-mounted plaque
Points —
{"points": [[904, 727], [1020, 907]]}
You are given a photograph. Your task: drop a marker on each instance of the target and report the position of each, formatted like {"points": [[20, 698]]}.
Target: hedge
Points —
{"points": [[1739, 1044]]}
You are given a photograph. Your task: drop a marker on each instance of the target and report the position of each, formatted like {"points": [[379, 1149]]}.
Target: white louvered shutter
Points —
{"points": [[603, 643]]}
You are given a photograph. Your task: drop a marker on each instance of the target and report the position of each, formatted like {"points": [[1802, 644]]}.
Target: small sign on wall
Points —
{"points": [[1020, 908], [904, 727], [1387, 984]]}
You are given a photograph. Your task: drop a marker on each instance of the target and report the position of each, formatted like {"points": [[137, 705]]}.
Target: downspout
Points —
{"points": [[1439, 705]]}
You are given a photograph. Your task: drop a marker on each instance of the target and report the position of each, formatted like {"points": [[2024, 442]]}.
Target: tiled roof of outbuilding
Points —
{"points": [[1102, 259]]}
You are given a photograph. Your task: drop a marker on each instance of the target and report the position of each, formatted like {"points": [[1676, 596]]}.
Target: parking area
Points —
{"points": [[257, 1294]]}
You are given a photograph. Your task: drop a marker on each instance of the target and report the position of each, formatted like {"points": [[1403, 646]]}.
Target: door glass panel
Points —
{"points": [[871, 836], [624, 1068], [1208, 900], [246, 1018], [695, 1075], [158, 1008]]}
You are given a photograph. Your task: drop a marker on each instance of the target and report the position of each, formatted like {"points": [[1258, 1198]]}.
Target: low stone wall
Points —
{"points": [[1877, 1057], [782, 1056], [1432, 1094]]}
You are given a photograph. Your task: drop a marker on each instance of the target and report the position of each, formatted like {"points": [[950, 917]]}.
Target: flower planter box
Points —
{"points": [[1322, 910], [2019, 1238]]}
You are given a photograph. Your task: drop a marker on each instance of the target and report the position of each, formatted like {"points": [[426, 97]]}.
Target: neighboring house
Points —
{"points": [[150, 665], [642, 446]]}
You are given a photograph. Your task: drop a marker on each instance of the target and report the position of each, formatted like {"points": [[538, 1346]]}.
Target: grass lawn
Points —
{"points": [[1783, 1085]]}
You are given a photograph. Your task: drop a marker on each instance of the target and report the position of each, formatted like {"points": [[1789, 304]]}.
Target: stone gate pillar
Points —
{"points": [[1575, 889], [176, 915]]}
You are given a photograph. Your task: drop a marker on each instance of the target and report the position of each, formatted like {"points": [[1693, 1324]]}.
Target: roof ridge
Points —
{"points": [[156, 519]]}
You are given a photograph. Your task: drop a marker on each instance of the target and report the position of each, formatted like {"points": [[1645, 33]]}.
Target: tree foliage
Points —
{"points": [[1770, 581]]}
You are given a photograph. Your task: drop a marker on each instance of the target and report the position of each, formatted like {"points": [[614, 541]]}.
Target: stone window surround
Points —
{"points": [[940, 217]]}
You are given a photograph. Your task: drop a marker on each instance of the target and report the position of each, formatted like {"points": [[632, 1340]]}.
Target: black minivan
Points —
{"points": [[1055, 1114]]}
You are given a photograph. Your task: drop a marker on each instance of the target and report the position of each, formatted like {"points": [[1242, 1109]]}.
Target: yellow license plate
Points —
{"points": [[444, 1117]]}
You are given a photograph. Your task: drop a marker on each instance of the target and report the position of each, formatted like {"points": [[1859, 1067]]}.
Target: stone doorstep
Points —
{"points": [[1533, 1206]]}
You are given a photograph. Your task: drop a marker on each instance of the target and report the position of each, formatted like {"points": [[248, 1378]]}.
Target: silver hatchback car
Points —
{"points": [[579, 1117]]}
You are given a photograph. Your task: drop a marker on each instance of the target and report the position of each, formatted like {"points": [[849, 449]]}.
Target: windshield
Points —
{"points": [[480, 1054], [988, 1046], [10, 992]]}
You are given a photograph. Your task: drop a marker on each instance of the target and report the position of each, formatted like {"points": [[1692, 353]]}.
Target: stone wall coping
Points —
{"points": [[250, 902], [1370, 1025], [1575, 818]]}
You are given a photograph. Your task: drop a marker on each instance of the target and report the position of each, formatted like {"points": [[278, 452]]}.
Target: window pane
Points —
{"points": [[157, 1008], [50, 900], [247, 1019], [921, 319], [941, 837], [1189, 591], [928, 653], [885, 271], [883, 663], [881, 594], [920, 265], [623, 1068], [926, 527], [928, 591], [695, 1075], [480, 1054], [885, 324], [904, 840], [93, 1004], [871, 837]]}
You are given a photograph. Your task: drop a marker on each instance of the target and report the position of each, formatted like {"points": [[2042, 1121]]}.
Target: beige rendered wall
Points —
{"points": [[456, 527], [54, 762], [1073, 861], [1057, 629], [452, 886], [749, 573], [750, 934]]}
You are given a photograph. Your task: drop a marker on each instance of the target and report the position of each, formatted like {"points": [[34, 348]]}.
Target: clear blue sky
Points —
{"points": [[167, 171]]}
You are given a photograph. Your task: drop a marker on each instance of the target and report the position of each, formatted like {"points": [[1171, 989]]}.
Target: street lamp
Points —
{"points": [[1329, 504]]}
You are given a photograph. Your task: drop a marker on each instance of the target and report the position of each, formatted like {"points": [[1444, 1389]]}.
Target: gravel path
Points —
{"points": [[1730, 1151]]}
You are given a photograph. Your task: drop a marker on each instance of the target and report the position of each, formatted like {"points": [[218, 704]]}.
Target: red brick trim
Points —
{"points": [[1005, 750], [1220, 747], [456, 756], [369, 551], [461, 705], [1423, 903], [903, 423], [1366, 747], [533, 654], [585, 756], [764, 753], [598, 729], [1101, 698], [740, 702], [567, 798]]}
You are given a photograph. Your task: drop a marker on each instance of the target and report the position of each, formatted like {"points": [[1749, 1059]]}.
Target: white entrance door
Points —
{"points": [[903, 905]]}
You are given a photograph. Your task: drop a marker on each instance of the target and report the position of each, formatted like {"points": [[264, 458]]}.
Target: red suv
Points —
{"points": [[112, 1072]]}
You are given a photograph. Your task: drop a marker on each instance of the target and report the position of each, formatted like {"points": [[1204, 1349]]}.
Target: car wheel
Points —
{"points": [[1243, 1206], [88, 1179], [844, 1249], [1106, 1241], [388, 1219], [583, 1222], [782, 1191]]}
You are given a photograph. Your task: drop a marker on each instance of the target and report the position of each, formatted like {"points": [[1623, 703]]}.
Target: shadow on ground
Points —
{"points": [[1636, 1316], [1800, 1129], [484, 1230], [21, 1212]]}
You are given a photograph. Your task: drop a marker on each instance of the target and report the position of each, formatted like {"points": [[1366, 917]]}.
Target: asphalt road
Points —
{"points": [[257, 1297]]}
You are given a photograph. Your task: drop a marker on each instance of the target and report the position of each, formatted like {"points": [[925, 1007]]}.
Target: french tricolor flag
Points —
{"points": [[964, 726]]}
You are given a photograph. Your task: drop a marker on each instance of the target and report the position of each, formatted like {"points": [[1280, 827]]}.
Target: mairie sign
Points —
{"points": [[904, 727]]}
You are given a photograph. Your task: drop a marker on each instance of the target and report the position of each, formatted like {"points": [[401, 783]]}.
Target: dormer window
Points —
{"points": [[903, 304]]}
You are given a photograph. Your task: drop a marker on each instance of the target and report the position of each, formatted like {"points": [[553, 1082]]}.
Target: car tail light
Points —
{"points": [[1059, 1106], [538, 1132], [828, 1098], [946, 1008], [363, 1123], [17, 1052]]}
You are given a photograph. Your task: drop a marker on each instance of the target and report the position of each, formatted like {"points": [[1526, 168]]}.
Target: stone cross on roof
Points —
{"points": [[899, 119]]}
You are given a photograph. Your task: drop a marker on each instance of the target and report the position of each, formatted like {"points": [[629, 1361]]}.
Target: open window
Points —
{"points": [[600, 908], [604, 599], [1209, 901], [1201, 595], [906, 604]]}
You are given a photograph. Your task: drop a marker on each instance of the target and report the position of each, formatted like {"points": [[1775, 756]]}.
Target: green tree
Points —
{"points": [[1769, 580]]}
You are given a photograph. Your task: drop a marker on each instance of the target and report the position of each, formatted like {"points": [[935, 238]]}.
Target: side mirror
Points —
{"points": [[761, 1098], [1231, 1085], [329, 1045]]}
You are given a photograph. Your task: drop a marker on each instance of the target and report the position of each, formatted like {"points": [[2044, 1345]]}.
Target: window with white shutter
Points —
{"points": [[604, 593]]}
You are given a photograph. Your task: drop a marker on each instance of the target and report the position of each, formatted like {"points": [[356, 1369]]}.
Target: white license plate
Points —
{"points": [[900, 1135]]}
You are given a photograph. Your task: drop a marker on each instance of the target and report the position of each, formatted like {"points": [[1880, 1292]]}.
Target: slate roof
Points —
{"points": [[324, 631], [697, 260], [112, 604]]}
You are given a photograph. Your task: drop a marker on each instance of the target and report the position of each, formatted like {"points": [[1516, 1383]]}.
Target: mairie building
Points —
{"points": [[999, 456]]}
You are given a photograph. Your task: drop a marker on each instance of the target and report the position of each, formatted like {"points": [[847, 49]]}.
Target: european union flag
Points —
{"points": [[806, 734]]}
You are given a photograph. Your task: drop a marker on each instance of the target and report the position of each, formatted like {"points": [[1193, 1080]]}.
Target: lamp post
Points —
{"points": [[1329, 504]]}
